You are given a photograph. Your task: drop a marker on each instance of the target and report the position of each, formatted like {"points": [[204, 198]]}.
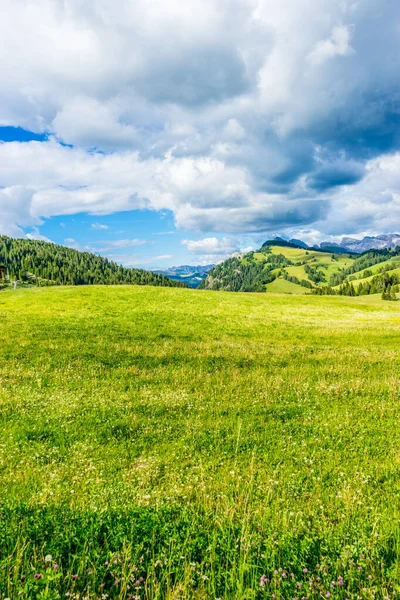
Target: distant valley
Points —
{"points": [[191, 275]]}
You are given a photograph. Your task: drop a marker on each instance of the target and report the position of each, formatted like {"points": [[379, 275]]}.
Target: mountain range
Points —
{"points": [[350, 244], [191, 275]]}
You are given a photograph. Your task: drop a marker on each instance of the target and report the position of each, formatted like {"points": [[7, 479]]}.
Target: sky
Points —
{"points": [[162, 132]]}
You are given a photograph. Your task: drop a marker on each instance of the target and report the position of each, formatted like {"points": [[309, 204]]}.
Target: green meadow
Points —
{"points": [[161, 443]]}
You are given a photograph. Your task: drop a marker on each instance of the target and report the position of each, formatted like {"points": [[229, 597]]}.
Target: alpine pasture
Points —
{"points": [[161, 443]]}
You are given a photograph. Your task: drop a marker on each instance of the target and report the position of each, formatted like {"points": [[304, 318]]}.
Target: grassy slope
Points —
{"points": [[208, 438], [395, 261], [315, 259], [282, 286], [357, 282], [329, 262]]}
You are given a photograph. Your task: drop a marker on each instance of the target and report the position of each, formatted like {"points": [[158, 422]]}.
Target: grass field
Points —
{"points": [[170, 443], [282, 286]]}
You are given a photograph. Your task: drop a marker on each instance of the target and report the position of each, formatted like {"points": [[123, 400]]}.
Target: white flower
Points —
{"points": [[48, 558]]}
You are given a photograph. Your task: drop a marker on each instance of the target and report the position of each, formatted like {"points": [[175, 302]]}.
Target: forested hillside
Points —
{"points": [[284, 267], [42, 263]]}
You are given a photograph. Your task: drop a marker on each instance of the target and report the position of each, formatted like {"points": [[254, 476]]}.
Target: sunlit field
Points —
{"points": [[178, 444]]}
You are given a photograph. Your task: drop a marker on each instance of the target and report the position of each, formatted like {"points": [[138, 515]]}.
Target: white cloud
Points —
{"points": [[99, 226], [237, 115], [212, 245], [36, 235], [338, 44]]}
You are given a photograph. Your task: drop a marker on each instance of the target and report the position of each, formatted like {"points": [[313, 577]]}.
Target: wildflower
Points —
{"points": [[327, 595], [305, 570], [284, 574], [48, 558], [56, 567], [369, 576], [37, 576]]}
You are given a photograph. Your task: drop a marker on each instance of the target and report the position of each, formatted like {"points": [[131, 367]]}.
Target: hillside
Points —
{"points": [[276, 264], [286, 267], [35, 262]]}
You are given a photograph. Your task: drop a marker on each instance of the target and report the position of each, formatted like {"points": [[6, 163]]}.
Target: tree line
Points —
{"points": [[34, 262], [387, 284], [245, 274]]}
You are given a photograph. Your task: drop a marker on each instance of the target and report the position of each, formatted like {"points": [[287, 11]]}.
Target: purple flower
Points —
{"points": [[56, 567], [37, 576], [328, 595], [305, 570]]}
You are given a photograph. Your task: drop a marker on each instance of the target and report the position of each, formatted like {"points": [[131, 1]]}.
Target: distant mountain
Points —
{"points": [[332, 247], [348, 244], [298, 243], [34, 262], [191, 275], [379, 242], [278, 241]]}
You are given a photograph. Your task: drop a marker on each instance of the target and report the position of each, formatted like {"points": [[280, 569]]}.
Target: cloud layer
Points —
{"points": [[240, 116]]}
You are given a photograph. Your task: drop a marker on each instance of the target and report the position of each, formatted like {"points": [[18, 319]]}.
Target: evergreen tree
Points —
{"points": [[42, 263]]}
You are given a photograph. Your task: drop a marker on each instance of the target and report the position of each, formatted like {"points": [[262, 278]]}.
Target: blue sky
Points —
{"points": [[140, 238], [158, 133]]}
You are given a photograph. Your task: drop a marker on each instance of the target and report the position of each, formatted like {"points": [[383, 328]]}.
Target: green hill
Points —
{"points": [[284, 267], [275, 263], [35, 262]]}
